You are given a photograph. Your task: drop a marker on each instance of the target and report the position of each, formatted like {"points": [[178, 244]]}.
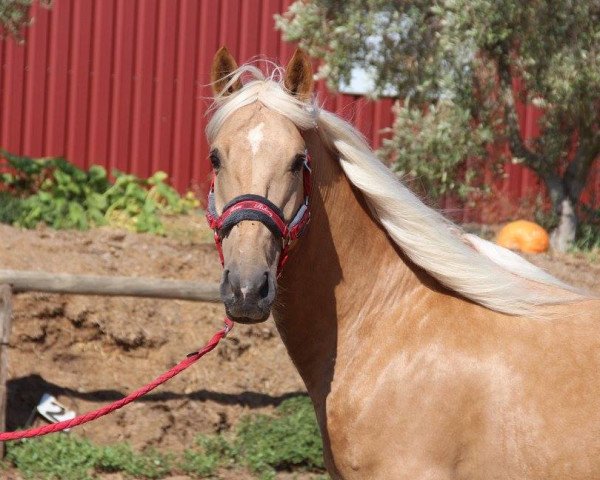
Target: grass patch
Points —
{"points": [[56, 457], [288, 440], [121, 458], [66, 457], [210, 453]]}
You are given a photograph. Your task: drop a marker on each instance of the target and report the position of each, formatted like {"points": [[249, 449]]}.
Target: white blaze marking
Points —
{"points": [[255, 137]]}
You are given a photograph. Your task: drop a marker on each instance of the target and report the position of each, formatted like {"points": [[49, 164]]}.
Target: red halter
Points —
{"points": [[258, 208]]}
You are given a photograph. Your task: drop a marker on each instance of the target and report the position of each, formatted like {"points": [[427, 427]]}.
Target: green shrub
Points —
{"points": [[59, 194], [67, 198], [10, 208], [288, 440]]}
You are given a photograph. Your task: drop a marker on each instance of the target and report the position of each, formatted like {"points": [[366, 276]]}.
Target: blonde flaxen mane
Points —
{"points": [[475, 268]]}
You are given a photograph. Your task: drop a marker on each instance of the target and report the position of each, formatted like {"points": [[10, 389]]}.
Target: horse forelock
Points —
{"points": [[266, 89], [483, 275]]}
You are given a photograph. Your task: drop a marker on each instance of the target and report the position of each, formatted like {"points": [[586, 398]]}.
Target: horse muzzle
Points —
{"points": [[248, 297]]}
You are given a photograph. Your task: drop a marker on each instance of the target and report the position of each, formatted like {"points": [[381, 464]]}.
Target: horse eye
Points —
{"points": [[215, 160], [298, 162]]}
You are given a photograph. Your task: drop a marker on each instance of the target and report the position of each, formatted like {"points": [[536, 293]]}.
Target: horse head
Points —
{"points": [[258, 204]]}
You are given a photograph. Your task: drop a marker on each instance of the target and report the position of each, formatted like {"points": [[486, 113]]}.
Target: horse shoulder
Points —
{"points": [[402, 405], [468, 391]]}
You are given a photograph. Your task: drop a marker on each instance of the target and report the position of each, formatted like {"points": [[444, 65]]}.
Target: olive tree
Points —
{"points": [[14, 15], [455, 63]]}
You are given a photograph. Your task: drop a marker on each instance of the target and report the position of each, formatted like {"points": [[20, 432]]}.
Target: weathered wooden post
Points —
{"points": [[5, 324]]}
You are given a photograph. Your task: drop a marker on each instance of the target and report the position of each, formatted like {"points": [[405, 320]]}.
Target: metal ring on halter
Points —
{"points": [[227, 329]]}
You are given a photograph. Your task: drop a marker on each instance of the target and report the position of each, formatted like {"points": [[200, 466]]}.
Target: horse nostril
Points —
{"points": [[263, 292], [227, 287]]}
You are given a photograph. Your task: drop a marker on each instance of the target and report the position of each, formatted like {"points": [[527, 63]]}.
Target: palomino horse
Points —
{"points": [[427, 353]]}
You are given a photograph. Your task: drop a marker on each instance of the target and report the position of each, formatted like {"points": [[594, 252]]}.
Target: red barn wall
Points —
{"points": [[124, 84]]}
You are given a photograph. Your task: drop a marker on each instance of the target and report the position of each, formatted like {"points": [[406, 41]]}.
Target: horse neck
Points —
{"points": [[343, 273]]}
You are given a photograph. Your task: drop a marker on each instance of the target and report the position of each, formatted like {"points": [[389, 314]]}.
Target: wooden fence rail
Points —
{"points": [[24, 281], [13, 281]]}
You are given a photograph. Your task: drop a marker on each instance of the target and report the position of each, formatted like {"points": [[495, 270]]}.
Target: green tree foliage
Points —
{"points": [[14, 15], [460, 59], [429, 147]]}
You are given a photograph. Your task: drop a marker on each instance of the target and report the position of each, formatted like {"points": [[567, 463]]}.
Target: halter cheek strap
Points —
{"points": [[260, 209]]}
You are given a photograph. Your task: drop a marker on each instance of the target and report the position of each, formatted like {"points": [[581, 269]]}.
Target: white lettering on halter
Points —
{"points": [[255, 137]]}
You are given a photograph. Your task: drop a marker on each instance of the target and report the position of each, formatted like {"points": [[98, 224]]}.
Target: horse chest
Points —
{"points": [[387, 420], [367, 430]]}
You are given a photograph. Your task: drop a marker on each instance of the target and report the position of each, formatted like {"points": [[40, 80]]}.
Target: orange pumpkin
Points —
{"points": [[525, 236]]}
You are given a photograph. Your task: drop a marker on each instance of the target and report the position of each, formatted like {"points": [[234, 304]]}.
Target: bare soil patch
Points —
{"points": [[88, 351]]}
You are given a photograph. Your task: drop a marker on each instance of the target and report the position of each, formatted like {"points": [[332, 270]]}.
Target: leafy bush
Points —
{"points": [[67, 197], [61, 195], [10, 208]]}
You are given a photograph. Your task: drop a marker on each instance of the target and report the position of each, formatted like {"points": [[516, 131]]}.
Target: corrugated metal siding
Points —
{"points": [[123, 83]]}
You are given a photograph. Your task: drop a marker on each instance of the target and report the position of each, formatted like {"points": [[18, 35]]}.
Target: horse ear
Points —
{"points": [[299, 75], [223, 65]]}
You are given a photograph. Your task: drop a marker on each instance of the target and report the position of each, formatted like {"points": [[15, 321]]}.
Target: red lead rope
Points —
{"points": [[93, 415]]}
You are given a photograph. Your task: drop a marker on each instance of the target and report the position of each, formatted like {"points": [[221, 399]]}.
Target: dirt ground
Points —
{"points": [[88, 351]]}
